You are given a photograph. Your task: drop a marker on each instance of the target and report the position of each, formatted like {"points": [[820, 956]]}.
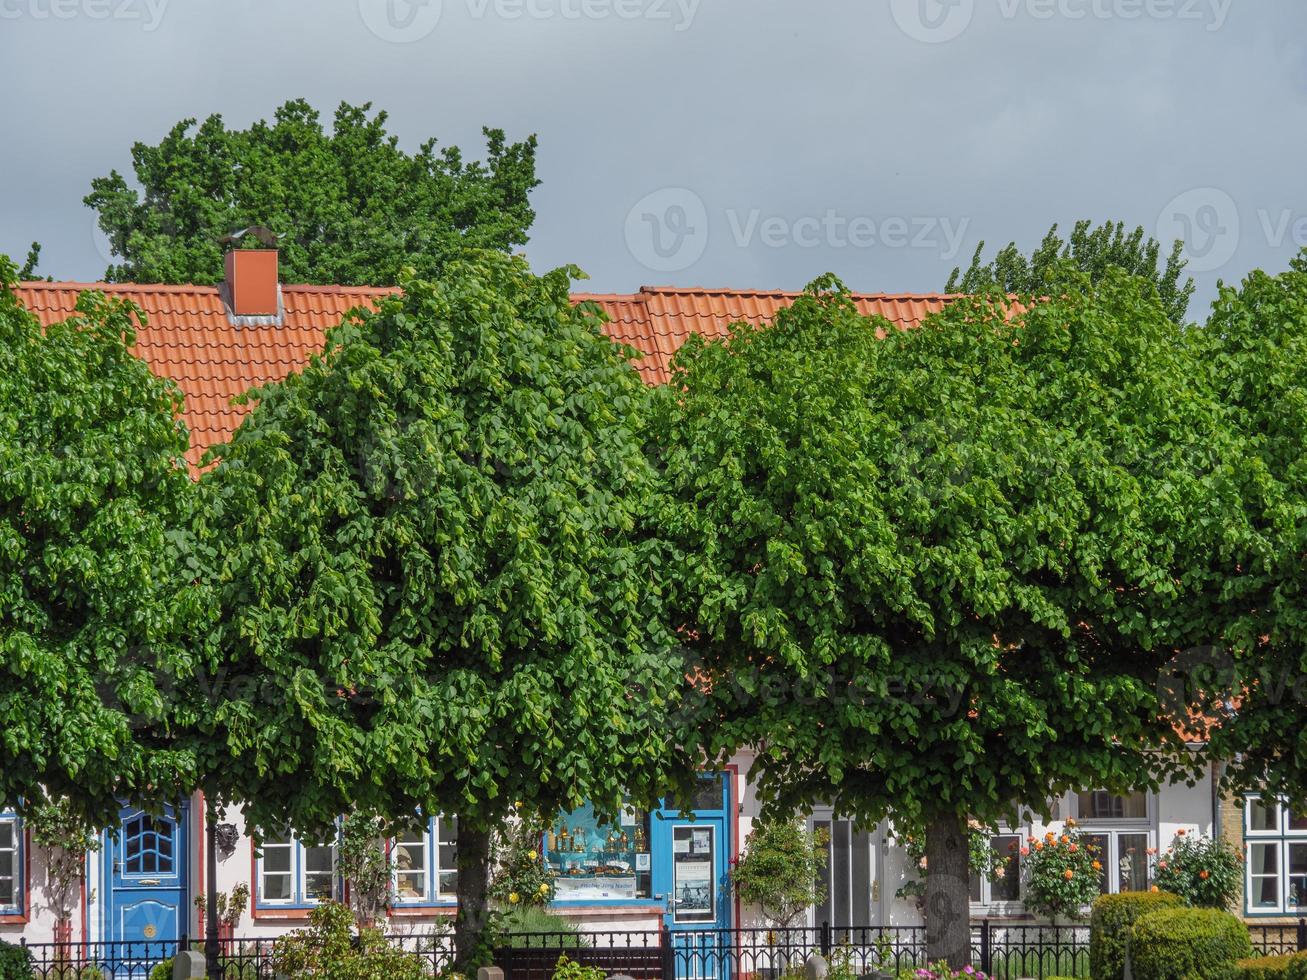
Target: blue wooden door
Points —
{"points": [[145, 885], [691, 872]]}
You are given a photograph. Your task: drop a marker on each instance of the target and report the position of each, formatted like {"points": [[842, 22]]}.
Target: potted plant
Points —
{"points": [[230, 909]]}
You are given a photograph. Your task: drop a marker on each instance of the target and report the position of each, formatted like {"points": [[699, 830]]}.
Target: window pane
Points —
{"points": [[277, 879], [1297, 876], [276, 887], [1132, 862], [276, 859], [1262, 817], [410, 859], [8, 864], [822, 913], [1294, 823], [709, 794], [861, 879], [1099, 804], [841, 858], [1098, 846], [1264, 875], [592, 859], [319, 873], [1005, 885]]}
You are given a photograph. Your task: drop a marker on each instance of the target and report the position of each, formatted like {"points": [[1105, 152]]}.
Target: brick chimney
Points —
{"points": [[252, 274]]}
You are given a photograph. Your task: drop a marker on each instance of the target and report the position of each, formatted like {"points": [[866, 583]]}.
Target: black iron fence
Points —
{"points": [[1005, 950]]}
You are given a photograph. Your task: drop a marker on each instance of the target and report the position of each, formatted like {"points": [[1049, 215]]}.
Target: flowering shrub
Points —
{"points": [[522, 877], [984, 860], [1062, 873], [942, 971], [1205, 872]]}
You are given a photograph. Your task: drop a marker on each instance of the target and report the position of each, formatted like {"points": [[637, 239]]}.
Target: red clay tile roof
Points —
{"points": [[187, 336]]}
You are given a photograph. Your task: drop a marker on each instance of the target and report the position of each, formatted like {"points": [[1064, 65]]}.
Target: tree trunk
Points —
{"points": [[473, 898], [948, 891]]}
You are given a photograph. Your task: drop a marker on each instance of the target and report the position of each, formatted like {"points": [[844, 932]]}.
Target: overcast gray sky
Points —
{"points": [[742, 143]]}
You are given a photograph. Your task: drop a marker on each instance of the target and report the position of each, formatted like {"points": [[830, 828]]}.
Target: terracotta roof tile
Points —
{"points": [[188, 337]]}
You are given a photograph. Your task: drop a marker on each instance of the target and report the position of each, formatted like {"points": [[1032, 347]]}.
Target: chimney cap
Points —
{"points": [[266, 235]]}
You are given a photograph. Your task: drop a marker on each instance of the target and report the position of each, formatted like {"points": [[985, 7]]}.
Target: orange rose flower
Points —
{"points": [[1066, 839], [1097, 865], [1068, 874], [1154, 889], [1204, 874], [1039, 845], [1074, 847]]}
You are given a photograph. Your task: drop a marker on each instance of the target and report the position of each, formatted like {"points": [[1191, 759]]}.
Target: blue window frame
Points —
{"points": [[293, 874], [424, 863], [13, 877]]}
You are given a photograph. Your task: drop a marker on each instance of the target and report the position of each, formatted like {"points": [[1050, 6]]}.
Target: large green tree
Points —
{"points": [[939, 575], [94, 493], [436, 584], [353, 207], [1093, 250], [1254, 352]]}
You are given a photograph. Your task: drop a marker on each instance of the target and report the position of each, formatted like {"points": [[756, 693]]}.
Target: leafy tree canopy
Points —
{"points": [[353, 206], [93, 487], [1254, 350], [943, 571], [431, 561], [1092, 250]]}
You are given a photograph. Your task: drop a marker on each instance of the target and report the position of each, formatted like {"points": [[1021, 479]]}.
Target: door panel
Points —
{"points": [[691, 876], [145, 862]]}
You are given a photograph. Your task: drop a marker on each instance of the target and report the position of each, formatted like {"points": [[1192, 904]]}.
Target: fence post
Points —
{"points": [[1302, 935], [985, 956], [668, 953], [825, 939]]}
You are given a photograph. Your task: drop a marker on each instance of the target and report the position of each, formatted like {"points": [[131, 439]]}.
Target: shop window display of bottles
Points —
{"points": [[593, 860]]}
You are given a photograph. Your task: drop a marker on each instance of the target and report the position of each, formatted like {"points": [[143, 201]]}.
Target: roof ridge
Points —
{"points": [[165, 287], [782, 293]]}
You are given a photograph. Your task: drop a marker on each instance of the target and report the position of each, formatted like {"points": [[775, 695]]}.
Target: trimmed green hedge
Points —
{"points": [[1110, 924], [1188, 944], [15, 962], [1271, 967]]}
